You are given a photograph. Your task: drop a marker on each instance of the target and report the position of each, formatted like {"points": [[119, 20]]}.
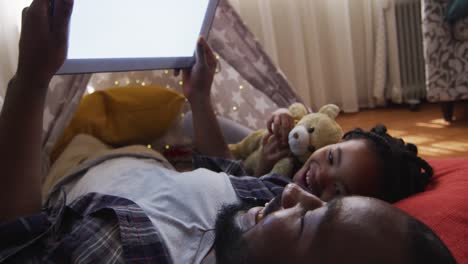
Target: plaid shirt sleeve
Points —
{"points": [[93, 229], [256, 190]]}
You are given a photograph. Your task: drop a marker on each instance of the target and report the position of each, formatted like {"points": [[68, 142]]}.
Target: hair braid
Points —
{"points": [[403, 173]]}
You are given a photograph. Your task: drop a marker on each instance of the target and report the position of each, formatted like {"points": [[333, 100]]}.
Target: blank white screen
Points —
{"points": [[105, 29]]}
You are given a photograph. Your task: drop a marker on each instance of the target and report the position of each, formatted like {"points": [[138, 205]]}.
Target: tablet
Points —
{"points": [[132, 35]]}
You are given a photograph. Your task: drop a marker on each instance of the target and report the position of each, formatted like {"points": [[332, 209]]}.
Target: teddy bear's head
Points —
{"points": [[314, 131]]}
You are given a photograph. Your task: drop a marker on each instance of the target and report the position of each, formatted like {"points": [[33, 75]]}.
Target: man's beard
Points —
{"points": [[230, 246]]}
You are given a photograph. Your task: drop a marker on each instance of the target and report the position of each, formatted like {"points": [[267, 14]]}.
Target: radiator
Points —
{"points": [[410, 49]]}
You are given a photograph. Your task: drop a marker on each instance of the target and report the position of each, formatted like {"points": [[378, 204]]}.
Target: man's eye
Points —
{"points": [[330, 157]]}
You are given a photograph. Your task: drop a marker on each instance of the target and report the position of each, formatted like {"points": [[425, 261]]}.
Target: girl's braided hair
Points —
{"points": [[403, 173]]}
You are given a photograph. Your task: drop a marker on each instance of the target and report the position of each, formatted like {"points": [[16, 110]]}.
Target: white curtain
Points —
{"points": [[332, 51], [10, 23]]}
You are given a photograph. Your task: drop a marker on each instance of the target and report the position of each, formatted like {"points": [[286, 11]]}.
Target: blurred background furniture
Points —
{"points": [[446, 54]]}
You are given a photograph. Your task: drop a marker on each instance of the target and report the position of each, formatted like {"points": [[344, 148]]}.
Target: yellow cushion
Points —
{"points": [[124, 116]]}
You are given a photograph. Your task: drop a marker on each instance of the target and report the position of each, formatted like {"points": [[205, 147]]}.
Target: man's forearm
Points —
{"points": [[20, 152], [208, 138]]}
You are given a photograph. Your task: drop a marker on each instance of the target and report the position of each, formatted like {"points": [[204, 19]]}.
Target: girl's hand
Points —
{"points": [[280, 124], [198, 79], [272, 152]]}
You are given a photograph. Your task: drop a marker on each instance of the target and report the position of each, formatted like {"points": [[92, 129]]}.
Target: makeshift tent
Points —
{"points": [[247, 86]]}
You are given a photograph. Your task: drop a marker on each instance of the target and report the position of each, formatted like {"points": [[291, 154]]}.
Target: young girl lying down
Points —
{"points": [[365, 163]]}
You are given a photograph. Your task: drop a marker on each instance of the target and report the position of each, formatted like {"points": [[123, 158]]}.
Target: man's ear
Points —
{"points": [[330, 110]]}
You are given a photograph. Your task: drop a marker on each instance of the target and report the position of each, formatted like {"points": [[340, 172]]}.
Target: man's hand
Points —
{"points": [[208, 138], [43, 47], [44, 40], [280, 124], [272, 152], [198, 79]]}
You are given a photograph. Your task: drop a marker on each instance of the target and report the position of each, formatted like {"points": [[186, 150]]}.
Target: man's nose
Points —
{"points": [[294, 195]]}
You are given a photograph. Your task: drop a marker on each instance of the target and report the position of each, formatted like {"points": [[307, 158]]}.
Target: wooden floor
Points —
{"points": [[426, 128]]}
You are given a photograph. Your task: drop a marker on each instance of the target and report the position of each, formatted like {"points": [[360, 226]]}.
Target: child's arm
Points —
{"points": [[208, 138], [43, 47]]}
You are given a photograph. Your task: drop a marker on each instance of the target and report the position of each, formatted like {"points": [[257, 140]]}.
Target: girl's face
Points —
{"points": [[347, 168]]}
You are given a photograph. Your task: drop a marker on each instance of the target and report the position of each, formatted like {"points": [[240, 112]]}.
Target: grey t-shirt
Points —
{"points": [[182, 206]]}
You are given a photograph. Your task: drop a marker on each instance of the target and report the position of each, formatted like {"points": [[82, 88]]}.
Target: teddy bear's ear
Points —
{"points": [[330, 110], [298, 111]]}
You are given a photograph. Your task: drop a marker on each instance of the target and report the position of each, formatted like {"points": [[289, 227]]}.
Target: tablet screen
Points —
{"points": [[104, 31]]}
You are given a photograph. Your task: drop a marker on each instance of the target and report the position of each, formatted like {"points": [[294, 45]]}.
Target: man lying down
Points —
{"points": [[137, 209]]}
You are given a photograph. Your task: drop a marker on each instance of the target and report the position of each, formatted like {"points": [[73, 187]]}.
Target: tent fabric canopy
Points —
{"points": [[231, 38], [247, 87]]}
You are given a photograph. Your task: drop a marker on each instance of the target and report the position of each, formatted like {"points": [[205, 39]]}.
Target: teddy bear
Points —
{"points": [[312, 131]]}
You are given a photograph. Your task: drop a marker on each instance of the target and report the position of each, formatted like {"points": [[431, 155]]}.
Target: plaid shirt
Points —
{"points": [[106, 229]]}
